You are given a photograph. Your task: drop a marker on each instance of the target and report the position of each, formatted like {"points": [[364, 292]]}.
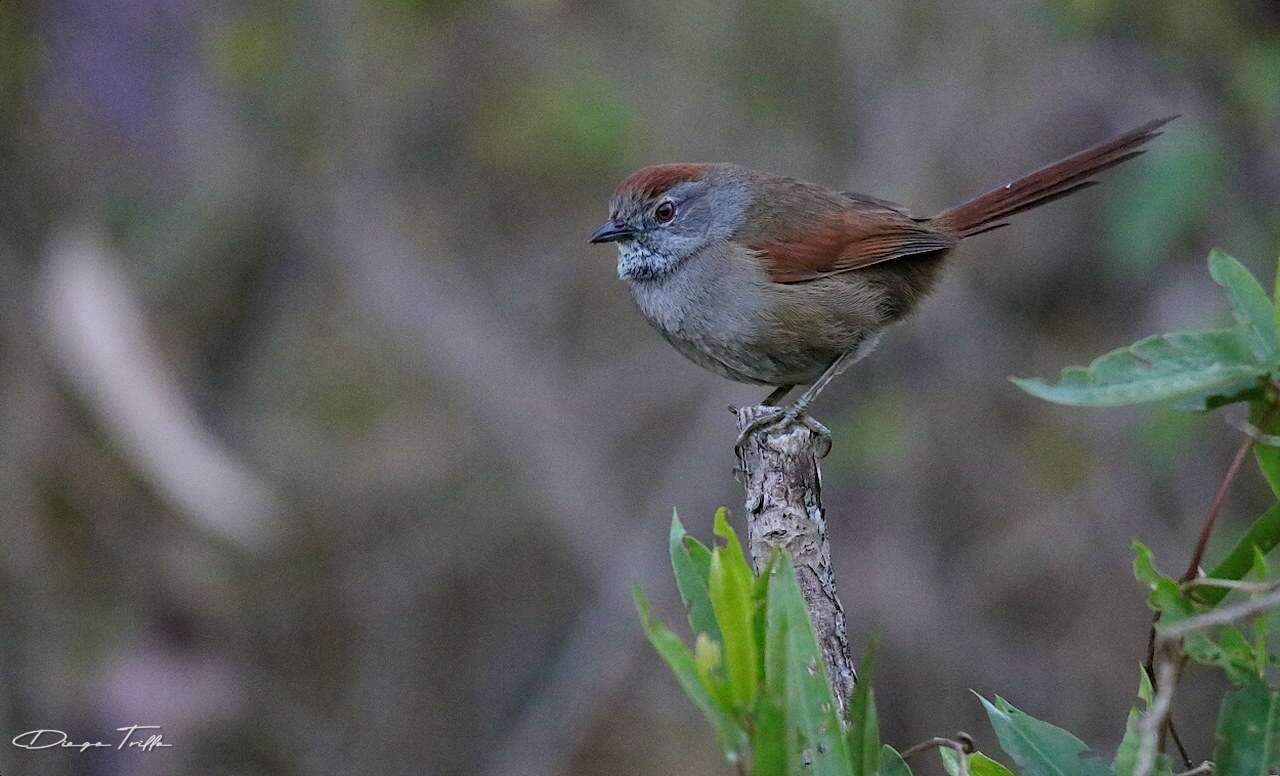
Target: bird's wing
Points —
{"points": [[801, 232], [886, 204]]}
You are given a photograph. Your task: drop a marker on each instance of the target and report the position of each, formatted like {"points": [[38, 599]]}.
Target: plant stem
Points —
{"points": [[1210, 519], [962, 744], [1193, 570]]}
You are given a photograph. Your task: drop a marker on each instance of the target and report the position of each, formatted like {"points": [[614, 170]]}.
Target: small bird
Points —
{"points": [[775, 281]]}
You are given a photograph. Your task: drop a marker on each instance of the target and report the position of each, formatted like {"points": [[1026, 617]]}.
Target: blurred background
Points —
{"points": [[328, 444]]}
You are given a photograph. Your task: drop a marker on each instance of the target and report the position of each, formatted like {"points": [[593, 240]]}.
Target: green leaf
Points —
{"points": [[691, 561], [1249, 304], [706, 658], [1244, 390], [722, 529], [1264, 534], [1127, 754], [891, 763], [1146, 691], [1144, 565], [730, 591], [759, 596], [1165, 366], [770, 751], [1260, 571], [1233, 653], [1040, 749], [675, 654], [1275, 294], [776, 744], [864, 729], [1248, 733], [979, 764], [1246, 662], [796, 679], [1266, 418], [1166, 595], [735, 564]]}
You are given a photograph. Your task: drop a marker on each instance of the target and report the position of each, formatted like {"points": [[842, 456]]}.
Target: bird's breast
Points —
{"points": [[713, 309]]}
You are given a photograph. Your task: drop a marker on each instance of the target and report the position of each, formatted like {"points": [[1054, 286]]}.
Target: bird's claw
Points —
{"points": [[777, 417]]}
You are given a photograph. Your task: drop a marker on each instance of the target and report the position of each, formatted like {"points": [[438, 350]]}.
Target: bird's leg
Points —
{"points": [[795, 413], [775, 398], [842, 363], [772, 400]]}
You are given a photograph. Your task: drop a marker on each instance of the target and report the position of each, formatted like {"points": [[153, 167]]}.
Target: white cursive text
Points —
{"points": [[134, 737]]}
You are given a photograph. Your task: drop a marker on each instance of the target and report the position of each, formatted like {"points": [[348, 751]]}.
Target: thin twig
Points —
{"points": [[1158, 714], [1230, 584], [1253, 432], [1223, 615], [962, 744], [1167, 654], [1193, 569]]}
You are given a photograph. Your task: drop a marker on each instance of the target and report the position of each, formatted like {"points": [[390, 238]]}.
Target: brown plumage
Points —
{"points": [[656, 179], [844, 233], [772, 280]]}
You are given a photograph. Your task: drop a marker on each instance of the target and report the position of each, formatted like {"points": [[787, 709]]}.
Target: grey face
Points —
{"points": [[655, 236]]}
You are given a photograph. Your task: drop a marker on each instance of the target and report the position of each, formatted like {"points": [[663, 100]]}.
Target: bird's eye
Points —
{"points": [[665, 212]]}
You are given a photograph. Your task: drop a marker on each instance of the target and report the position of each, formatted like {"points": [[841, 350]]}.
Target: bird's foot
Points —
{"points": [[780, 417]]}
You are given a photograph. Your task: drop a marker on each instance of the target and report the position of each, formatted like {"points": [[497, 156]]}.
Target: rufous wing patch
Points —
{"points": [[845, 240]]}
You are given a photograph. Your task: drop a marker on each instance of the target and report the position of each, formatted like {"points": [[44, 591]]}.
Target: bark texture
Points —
{"points": [[784, 509]]}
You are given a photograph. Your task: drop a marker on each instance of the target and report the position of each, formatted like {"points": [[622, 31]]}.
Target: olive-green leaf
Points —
{"points": [[1146, 690], [1249, 389], [891, 763], [796, 676], [1232, 652], [1275, 294], [1263, 535], [691, 561], [1127, 753], [776, 750], [1266, 418], [1167, 366], [1166, 595], [1249, 303], [979, 764], [731, 600], [706, 658], [1248, 733], [1040, 749], [735, 556], [676, 655], [864, 729], [1144, 565], [770, 742]]}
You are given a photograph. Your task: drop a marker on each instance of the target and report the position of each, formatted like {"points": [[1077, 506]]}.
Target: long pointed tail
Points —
{"points": [[984, 213]]}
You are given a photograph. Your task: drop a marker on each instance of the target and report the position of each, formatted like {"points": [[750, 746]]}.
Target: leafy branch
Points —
{"points": [[756, 669], [1203, 371]]}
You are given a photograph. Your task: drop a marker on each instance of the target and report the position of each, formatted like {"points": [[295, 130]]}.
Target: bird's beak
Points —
{"points": [[612, 231]]}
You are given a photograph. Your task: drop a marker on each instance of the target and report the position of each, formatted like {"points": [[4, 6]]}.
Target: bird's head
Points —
{"points": [[662, 214]]}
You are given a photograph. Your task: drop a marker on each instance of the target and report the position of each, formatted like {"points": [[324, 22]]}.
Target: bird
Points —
{"points": [[776, 281]]}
